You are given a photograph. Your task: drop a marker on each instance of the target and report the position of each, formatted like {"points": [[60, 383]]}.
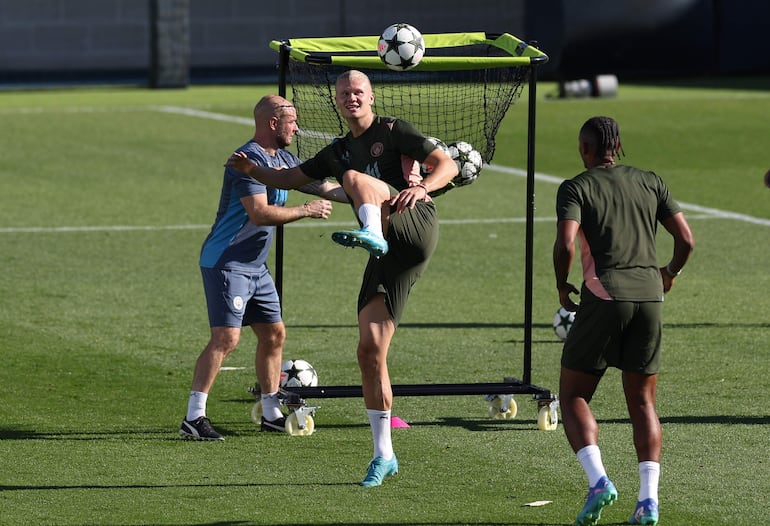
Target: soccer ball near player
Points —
{"points": [[401, 47], [426, 169], [468, 160], [562, 322], [297, 373]]}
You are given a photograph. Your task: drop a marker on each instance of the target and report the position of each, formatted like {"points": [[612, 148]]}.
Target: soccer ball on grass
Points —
{"points": [[562, 322], [297, 373], [401, 47]]}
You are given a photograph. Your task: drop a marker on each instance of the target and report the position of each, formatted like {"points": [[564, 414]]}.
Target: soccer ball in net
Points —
{"points": [[426, 169], [297, 373], [401, 47], [562, 322], [468, 160]]}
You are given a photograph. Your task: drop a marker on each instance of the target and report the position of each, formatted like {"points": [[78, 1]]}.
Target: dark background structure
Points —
{"points": [[170, 43]]}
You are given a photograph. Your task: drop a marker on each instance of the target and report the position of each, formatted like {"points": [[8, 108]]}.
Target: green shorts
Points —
{"points": [[621, 334], [412, 237]]}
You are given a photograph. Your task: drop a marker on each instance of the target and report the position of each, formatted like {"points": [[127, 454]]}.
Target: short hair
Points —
{"points": [[353, 74], [603, 133], [272, 106]]}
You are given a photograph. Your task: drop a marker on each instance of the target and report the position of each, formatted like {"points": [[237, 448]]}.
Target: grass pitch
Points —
{"points": [[106, 197]]}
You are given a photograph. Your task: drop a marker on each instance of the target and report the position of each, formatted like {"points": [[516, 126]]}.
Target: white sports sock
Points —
{"points": [[271, 407], [371, 217], [380, 424], [590, 457], [196, 405], [649, 476]]}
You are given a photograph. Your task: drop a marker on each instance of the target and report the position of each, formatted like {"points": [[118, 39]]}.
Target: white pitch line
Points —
{"points": [[202, 114], [704, 212], [314, 224], [105, 228], [229, 118], [503, 169]]}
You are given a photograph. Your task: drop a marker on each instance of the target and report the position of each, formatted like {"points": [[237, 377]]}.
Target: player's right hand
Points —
{"points": [[239, 161]]}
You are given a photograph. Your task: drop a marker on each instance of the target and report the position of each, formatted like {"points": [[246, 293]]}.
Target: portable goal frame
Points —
{"points": [[520, 54]]}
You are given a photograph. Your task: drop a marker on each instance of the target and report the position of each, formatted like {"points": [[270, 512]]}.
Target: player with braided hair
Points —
{"points": [[603, 134], [614, 211]]}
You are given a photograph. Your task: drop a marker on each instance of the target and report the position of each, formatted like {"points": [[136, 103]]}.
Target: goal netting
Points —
{"points": [[460, 91]]}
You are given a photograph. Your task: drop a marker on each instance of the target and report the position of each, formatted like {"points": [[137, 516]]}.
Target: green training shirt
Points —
{"points": [[377, 152], [618, 209]]}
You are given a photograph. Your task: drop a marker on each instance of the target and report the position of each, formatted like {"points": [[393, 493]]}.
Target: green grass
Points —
{"points": [[100, 328]]}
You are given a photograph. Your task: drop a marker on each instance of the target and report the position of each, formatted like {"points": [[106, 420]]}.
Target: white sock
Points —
{"points": [[196, 405], [271, 408], [590, 457], [649, 475], [371, 217], [380, 424]]}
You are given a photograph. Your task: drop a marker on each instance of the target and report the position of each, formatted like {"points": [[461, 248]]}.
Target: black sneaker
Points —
{"points": [[199, 429], [277, 425]]}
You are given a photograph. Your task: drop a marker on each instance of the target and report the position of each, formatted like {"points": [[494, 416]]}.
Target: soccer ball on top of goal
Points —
{"points": [[401, 47], [297, 373], [562, 322]]}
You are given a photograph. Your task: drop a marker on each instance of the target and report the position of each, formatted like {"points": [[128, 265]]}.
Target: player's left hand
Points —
{"points": [[565, 299], [408, 197], [318, 208]]}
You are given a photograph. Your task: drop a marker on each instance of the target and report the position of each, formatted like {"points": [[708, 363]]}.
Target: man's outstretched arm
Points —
{"points": [[287, 179]]}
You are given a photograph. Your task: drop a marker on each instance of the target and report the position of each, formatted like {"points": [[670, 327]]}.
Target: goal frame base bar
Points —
{"points": [[509, 386]]}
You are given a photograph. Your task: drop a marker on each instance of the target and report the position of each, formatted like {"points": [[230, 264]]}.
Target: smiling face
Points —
{"points": [[354, 96]]}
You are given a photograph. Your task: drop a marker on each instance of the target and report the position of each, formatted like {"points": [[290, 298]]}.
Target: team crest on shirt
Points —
{"points": [[238, 303], [377, 149]]}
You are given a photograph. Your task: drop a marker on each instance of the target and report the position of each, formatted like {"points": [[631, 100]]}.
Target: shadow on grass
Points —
{"points": [[468, 424], [155, 434], [487, 325], [428, 325], [337, 523], [48, 487]]}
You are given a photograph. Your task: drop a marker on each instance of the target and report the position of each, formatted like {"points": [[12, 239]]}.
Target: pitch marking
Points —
{"points": [[703, 212]]}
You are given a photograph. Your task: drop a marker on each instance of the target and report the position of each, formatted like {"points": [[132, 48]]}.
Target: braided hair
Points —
{"points": [[603, 133]]}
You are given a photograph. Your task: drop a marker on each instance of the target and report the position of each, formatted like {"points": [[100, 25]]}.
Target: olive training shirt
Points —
{"points": [[618, 209]]}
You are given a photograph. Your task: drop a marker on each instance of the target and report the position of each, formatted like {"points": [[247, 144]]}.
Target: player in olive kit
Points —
{"points": [[399, 230], [613, 211]]}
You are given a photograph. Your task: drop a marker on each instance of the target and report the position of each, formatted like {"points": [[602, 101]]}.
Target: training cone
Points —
{"points": [[396, 422]]}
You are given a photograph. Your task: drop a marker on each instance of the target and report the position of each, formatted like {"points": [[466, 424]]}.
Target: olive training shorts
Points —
{"points": [[412, 237], [621, 334]]}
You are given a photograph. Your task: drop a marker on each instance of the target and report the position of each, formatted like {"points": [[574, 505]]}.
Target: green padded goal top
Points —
{"points": [[460, 90]]}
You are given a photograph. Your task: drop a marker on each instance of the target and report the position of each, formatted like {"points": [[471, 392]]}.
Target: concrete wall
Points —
{"points": [[60, 34], [109, 35], [73, 39]]}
